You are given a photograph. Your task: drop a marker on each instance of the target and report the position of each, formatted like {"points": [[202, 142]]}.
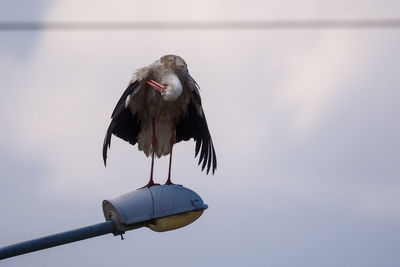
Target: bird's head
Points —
{"points": [[170, 87], [172, 62]]}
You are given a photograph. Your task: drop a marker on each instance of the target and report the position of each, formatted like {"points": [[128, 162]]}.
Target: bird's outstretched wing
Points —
{"points": [[193, 124], [123, 124]]}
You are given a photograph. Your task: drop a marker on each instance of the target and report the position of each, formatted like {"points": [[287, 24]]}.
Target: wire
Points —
{"points": [[203, 25]]}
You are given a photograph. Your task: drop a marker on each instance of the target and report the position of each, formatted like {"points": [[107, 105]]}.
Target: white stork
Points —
{"points": [[161, 107]]}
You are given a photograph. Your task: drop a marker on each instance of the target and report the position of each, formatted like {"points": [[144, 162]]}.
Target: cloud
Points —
{"points": [[304, 123]]}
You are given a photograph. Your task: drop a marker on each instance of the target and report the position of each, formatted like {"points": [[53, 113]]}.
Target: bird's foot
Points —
{"points": [[168, 182], [150, 184]]}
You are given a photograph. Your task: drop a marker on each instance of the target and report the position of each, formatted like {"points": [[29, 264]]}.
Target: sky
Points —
{"points": [[304, 123]]}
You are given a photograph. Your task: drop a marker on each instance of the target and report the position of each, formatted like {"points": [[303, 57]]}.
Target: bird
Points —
{"points": [[161, 107]]}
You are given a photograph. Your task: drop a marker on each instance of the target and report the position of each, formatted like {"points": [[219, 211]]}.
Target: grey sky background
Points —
{"points": [[305, 125]]}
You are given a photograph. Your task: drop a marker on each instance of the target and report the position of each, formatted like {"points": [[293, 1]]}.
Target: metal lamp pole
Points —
{"points": [[58, 239]]}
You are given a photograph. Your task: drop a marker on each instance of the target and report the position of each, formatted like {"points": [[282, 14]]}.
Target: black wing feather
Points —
{"points": [[193, 125], [202, 154], [123, 124], [197, 149], [209, 160]]}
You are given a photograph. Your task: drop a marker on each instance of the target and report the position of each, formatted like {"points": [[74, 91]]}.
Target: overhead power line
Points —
{"points": [[202, 25]]}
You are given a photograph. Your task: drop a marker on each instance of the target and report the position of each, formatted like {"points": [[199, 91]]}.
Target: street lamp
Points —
{"points": [[160, 208]]}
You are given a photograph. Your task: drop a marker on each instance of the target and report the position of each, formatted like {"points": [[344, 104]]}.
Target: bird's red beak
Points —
{"points": [[155, 85]]}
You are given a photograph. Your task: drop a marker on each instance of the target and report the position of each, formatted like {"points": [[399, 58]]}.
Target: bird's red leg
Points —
{"points": [[171, 143], [153, 144]]}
